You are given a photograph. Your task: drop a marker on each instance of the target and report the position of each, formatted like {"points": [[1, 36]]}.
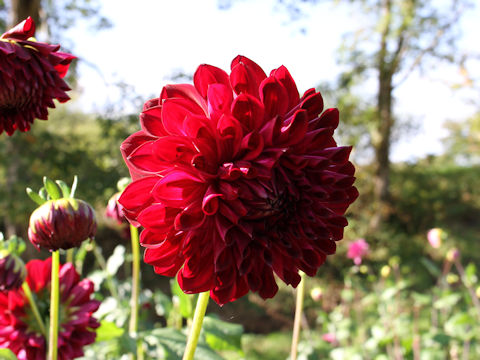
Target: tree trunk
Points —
{"points": [[382, 136], [21, 9], [382, 150]]}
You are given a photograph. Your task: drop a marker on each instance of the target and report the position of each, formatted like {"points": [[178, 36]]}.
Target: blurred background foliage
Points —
{"points": [[399, 202]]}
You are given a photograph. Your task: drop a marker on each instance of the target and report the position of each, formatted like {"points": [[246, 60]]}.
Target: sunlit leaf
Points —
{"points": [[108, 330], [52, 188]]}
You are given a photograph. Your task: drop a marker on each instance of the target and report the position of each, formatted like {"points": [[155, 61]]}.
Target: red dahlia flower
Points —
{"points": [[31, 75], [18, 327], [236, 178]]}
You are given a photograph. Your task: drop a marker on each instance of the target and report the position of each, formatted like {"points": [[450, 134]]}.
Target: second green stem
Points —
{"points": [[200, 309], [54, 304], [298, 316], [133, 325]]}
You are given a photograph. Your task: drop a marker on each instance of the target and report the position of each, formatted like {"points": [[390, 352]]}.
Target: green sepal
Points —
{"points": [[64, 187], [35, 197], [74, 186], [52, 188]]}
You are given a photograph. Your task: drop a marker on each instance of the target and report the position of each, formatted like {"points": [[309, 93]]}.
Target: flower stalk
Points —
{"points": [[33, 306], [298, 316], [133, 325], [198, 317], [54, 307]]}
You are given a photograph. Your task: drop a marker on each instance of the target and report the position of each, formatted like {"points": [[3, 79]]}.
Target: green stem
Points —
{"points": [[33, 305], [200, 309], [298, 316], [133, 325], [69, 257], [54, 299]]}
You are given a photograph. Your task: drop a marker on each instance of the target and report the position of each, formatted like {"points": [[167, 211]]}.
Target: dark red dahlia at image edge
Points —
{"points": [[31, 76], [237, 178]]}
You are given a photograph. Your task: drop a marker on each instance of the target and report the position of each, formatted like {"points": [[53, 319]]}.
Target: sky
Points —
{"points": [[153, 39]]}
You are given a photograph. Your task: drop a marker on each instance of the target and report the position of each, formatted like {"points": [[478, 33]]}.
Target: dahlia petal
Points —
{"points": [[157, 218], [294, 131], [185, 92], [145, 159], [219, 99], [22, 31], [210, 202], [274, 97], [128, 147], [313, 103], [246, 76], [251, 146], [249, 111], [64, 64], [338, 155], [155, 102], [178, 188], [38, 273], [284, 77], [269, 287], [137, 194], [190, 218], [151, 121], [173, 149], [192, 279], [207, 75], [174, 112], [166, 258], [230, 131]]}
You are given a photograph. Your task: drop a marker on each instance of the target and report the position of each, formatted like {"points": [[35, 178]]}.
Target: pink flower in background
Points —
{"points": [[330, 338], [357, 250], [114, 210], [434, 237]]}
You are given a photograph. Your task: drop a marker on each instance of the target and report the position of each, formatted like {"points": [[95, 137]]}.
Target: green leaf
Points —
{"points": [[74, 186], [52, 188], [431, 267], [116, 259], [447, 302], [35, 197], [184, 300], [173, 343], [7, 354], [442, 339], [221, 335], [108, 331], [64, 187]]}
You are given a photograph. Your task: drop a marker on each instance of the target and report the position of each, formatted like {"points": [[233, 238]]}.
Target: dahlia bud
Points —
{"points": [[12, 271], [62, 224], [114, 210], [453, 254]]}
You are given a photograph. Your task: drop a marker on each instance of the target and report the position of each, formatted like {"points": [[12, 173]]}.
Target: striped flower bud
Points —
{"points": [[62, 224], [12, 271]]}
